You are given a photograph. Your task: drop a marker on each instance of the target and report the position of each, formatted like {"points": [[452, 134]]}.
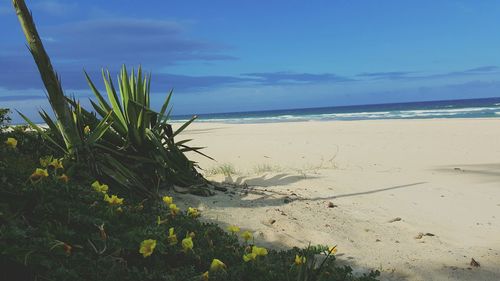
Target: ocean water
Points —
{"points": [[469, 108]]}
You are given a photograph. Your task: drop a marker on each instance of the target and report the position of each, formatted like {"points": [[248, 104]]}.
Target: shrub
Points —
{"points": [[141, 137], [131, 145], [57, 230]]}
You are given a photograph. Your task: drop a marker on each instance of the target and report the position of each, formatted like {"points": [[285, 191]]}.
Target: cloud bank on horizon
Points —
{"points": [[225, 56]]}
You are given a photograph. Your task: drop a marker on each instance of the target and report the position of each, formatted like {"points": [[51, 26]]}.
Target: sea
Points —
{"points": [[464, 108]]}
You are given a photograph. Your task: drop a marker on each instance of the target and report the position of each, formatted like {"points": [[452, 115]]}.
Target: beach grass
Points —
{"points": [[225, 169], [267, 168]]}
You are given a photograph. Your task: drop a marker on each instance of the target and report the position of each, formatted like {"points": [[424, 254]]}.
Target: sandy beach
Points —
{"points": [[415, 199]]}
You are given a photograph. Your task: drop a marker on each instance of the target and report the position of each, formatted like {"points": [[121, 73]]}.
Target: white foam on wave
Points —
{"points": [[427, 114], [444, 111], [397, 114], [355, 114], [260, 119]]}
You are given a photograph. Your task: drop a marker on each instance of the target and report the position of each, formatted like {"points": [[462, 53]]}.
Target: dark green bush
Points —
{"points": [[54, 230]]}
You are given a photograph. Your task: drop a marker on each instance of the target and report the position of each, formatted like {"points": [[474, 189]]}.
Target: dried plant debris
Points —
{"points": [[474, 263], [331, 205], [395, 220], [420, 235]]}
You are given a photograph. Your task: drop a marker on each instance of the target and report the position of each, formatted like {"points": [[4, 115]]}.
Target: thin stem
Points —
{"points": [[49, 77]]}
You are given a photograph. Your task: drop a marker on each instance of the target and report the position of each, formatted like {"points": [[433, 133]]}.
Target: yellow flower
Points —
{"points": [[97, 186], [233, 229], [113, 200], [172, 237], [56, 163], [247, 235], [217, 265], [86, 130], [64, 178], [173, 209], [204, 276], [187, 244], [332, 250], [38, 175], [11, 142], [45, 161], [259, 251], [147, 247], [193, 212], [168, 200], [300, 260], [249, 257]]}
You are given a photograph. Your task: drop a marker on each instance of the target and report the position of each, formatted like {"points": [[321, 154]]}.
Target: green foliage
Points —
{"points": [[265, 168], [4, 118], [226, 169], [130, 144], [138, 153], [86, 154], [52, 230], [142, 138]]}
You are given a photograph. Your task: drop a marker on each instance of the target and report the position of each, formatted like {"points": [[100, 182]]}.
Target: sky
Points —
{"points": [[229, 56]]}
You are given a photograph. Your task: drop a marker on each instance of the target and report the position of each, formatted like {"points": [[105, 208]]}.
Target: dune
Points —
{"points": [[415, 199]]}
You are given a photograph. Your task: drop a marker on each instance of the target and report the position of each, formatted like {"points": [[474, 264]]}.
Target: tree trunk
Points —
{"points": [[49, 77]]}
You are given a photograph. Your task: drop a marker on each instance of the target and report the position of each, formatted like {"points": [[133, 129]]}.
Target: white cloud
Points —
{"points": [[5, 9], [53, 7]]}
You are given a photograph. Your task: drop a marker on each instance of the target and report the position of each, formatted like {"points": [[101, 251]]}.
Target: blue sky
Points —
{"points": [[223, 56]]}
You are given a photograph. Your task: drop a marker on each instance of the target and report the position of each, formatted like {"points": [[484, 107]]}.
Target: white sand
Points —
{"points": [[439, 176]]}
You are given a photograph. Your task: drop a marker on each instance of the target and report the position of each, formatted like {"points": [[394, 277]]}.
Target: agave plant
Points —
{"points": [[140, 137], [129, 144]]}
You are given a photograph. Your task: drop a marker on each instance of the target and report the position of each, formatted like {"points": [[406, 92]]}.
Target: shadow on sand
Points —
{"points": [[375, 190], [431, 269], [240, 190], [278, 245], [263, 181], [488, 172], [426, 270]]}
